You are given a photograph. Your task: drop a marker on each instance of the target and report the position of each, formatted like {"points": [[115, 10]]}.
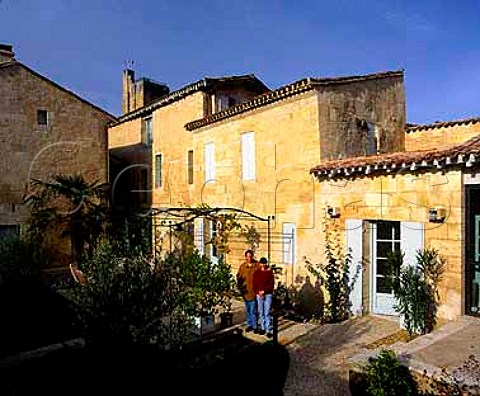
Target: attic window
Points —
{"points": [[42, 117]]}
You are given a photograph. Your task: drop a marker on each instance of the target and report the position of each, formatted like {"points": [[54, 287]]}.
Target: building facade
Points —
{"points": [[233, 143], [409, 201], [45, 130]]}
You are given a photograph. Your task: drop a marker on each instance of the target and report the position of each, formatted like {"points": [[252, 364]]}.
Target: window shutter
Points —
{"points": [[209, 161], [289, 243], [354, 243], [199, 236], [158, 170], [411, 240], [248, 156], [190, 166]]}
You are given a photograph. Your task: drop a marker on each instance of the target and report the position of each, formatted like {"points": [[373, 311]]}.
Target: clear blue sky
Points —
{"points": [[83, 44]]}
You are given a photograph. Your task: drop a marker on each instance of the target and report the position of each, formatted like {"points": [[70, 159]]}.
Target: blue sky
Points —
{"points": [[83, 45]]}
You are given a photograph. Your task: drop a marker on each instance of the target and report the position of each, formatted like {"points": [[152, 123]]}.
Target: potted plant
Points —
{"points": [[226, 317]]}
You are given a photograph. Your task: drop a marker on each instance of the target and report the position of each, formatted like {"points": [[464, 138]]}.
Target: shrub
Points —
{"points": [[126, 300], [416, 288], [335, 275], [20, 261], [385, 376]]}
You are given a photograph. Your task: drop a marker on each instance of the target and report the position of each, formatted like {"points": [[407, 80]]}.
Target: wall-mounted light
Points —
{"points": [[333, 212], [437, 214]]}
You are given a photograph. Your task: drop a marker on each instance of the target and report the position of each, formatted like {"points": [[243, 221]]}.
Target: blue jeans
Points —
{"points": [[265, 312], [250, 314]]}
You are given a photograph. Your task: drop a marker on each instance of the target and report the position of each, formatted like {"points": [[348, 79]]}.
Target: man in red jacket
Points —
{"points": [[263, 283]]}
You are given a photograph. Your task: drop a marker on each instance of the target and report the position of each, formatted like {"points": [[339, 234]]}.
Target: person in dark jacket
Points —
{"points": [[263, 283], [245, 285]]}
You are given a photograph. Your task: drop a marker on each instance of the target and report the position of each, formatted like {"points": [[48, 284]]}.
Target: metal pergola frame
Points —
{"points": [[178, 216]]}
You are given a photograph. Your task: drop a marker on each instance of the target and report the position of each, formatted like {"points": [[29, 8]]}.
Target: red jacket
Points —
{"points": [[263, 280]]}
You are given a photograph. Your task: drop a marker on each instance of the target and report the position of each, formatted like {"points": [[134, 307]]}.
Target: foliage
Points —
{"points": [[385, 376], [207, 285], [334, 274], [416, 288], [20, 260], [252, 237], [128, 301], [131, 233], [123, 300], [70, 206]]}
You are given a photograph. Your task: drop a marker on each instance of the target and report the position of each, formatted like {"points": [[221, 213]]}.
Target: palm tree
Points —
{"points": [[71, 206]]}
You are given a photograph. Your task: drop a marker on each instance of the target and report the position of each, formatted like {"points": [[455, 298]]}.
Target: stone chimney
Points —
{"points": [[136, 94], [6, 53], [128, 91]]}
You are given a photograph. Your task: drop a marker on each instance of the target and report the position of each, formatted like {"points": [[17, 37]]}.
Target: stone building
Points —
{"points": [[426, 197], [232, 142], [45, 129]]}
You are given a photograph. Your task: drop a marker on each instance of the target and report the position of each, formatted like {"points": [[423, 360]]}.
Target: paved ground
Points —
{"points": [[318, 360], [318, 353]]}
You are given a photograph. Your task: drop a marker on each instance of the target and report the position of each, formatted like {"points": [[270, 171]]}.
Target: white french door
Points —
{"points": [[386, 238]]}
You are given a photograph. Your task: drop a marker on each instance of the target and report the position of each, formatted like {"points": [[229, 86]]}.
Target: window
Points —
{"points": [[190, 167], [248, 156], [231, 102], [42, 117], [209, 162], [9, 231], [158, 170], [386, 240], [147, 125]]}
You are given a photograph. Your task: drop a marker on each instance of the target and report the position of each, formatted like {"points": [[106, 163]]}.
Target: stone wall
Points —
{"points": [[407, 197], [438, 137], [342, 107], [73, 141]]}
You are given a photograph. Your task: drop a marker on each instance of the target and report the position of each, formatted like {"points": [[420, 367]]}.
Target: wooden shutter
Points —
{"points": [[199, 236], [354, 244], [158, 170], [411, 240], [289, 243], [209, 161], [248, 156]]}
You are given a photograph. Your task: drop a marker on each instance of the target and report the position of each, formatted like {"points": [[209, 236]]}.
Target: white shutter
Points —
{"points": [[289, 242], [199, 236], [354, 244], [209, 161], [248, 156], [411, 240]]}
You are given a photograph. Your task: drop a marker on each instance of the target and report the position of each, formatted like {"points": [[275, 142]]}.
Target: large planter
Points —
{"points": [[226, 319], [203, 324]]}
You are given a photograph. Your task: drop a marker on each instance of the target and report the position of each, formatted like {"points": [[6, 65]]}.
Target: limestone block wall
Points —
{"points": [[126, 134], [438, 137], [407, 197], [173, 142], [74, 141], [380, 102], [286, 144]]}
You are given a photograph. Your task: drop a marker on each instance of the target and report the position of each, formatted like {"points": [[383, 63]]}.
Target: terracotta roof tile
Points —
{"points": [[201, 85], [441, 124], [284, 92], [465, 153]]}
